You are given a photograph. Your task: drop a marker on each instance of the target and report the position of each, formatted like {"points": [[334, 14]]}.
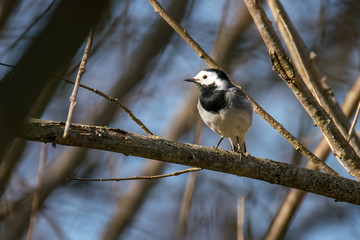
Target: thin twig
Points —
{"points": [[183, 33], [77, 82], [36, 198], [291, 139], [354, 122], [114, 100], [195, 169], [7, 65], [286, 134]]}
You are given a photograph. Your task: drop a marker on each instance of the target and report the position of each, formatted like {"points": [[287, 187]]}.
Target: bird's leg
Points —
{"points": [[219, 142], [238, 149]]}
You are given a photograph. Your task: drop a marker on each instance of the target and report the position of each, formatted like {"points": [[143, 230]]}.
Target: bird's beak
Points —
{"points": [[190, 80]]}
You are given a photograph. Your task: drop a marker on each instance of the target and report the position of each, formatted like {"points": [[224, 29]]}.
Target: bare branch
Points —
{"points": [[117, 102], [291, 139], [183, 33], [78, 78], [177, 173], [354, 121], [117, 140], [7, 65]]}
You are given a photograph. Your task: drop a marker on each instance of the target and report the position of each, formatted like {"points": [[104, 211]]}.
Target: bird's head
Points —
{"points": [[213, 78]]}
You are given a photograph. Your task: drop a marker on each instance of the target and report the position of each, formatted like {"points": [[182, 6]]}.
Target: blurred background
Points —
{"points": [[137, 58]]}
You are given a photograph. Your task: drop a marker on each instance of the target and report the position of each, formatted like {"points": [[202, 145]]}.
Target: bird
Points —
{"points": [[223, 107]]}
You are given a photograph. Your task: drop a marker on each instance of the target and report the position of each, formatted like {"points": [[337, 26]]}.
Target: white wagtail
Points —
{"points": [[223, 107]]}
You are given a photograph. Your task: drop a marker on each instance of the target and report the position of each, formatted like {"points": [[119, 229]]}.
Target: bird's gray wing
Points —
{"points": [[237, 99]]}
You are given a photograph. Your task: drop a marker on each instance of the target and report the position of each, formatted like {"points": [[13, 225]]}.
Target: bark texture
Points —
{"points": [[117, 140]]}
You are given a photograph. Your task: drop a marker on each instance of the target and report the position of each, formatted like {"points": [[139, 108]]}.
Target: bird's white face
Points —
{"points": [[206, 78]]}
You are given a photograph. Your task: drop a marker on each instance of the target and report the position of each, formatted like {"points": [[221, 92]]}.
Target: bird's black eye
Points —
{"points": [[205, 77]]}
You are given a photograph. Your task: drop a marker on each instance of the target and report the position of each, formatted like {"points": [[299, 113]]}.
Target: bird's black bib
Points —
{"points": [[212, 100]]}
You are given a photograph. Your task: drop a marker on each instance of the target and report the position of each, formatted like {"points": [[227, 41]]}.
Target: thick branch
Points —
{"points": [[117, 140]]}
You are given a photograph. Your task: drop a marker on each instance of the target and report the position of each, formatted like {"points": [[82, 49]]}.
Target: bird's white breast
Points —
{"points": [[228, 123]]}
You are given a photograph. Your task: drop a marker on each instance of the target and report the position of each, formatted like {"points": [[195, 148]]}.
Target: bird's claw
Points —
{"points": [[241, 153], [218, 148]]}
